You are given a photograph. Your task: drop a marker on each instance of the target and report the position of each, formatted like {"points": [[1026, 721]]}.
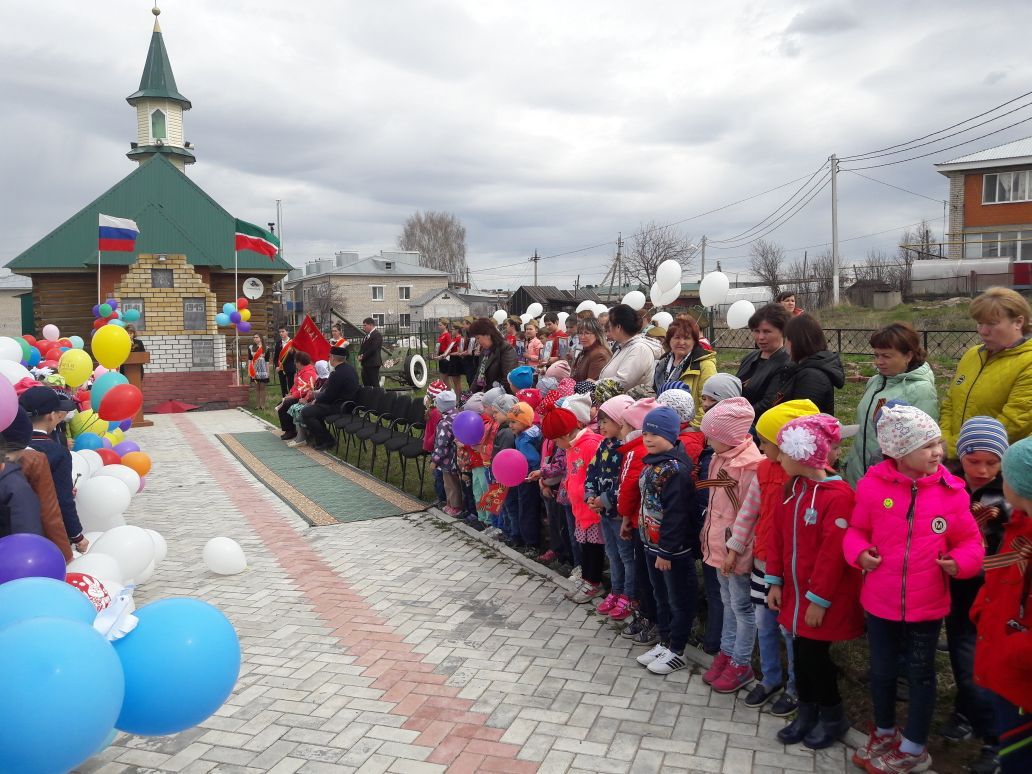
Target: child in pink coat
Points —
{"points": [[911, 531]]}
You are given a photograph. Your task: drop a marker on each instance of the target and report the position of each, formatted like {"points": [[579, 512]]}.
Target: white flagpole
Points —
{"points": [[99, 299], [236, 331]]}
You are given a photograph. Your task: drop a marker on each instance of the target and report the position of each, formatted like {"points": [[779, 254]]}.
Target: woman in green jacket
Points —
{"points": [[903, 375]]}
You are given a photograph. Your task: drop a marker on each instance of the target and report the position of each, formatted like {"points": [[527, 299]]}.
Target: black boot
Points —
{"points": [[832, 725], [805, 720]]}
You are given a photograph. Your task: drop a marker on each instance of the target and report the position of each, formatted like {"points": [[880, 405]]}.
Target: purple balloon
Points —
{"points": [[125, 424], [24, 555], [107, 443], [244, 326], [143, 483], [96, 310], [113, 304], [125, 447], [468, 428], [234, 317]]}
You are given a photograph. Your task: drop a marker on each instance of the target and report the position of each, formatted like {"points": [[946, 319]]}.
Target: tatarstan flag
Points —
{"points": [[256, 238]]}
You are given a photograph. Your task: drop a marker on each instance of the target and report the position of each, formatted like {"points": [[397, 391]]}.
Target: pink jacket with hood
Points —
{"points": [[577, 458], [729, 477], [911, 523]]}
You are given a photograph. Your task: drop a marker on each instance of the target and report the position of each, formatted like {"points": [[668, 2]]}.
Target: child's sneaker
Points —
{"points": [[622, 610], [760, 695], [876, 747], [667, 663], [608, 604], [647, 636], [586, 593], [548, 557], [635, 626], [785, 705], [657, 651], [733, 677], [898, 762], [575, 574], [720, 662]]}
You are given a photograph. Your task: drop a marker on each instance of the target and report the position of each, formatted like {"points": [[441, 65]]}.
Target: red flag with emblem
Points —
{"points": [[311, 340]]}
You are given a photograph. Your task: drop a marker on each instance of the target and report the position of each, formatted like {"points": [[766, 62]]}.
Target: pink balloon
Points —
{"points": [[143, 483], [510, 467], [8, 403], [99, 371]]}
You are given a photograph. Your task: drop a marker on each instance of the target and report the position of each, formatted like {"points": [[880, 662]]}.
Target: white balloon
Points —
{"points": [[51, 332], [123, 473], [10, 349], [662, 319], [525, 318], [668, 275], [655, 294], [130, 546], [601, 309], [81, 469], [224, 556], [500, 315], [91, 536], [145, 574], [585, 306], [13, 372], [562, 316], [160, 546], [101, 501], [635, 299], [738, 314], [94, 460], [102, 566], [535, 309], [713, 288]]}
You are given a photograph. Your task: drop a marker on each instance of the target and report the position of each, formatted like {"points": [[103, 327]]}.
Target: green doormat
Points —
{"points": [[320, 489]]}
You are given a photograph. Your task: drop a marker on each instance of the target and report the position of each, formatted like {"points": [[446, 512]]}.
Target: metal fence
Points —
{"points": [[856, 341]]}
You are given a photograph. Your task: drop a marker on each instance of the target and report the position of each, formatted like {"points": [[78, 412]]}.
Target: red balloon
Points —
{"points": [[54, 353], [91, 587], [120, 402], [99, 323], [30, 339], [241, 303], [64, 343], [110, 456]]}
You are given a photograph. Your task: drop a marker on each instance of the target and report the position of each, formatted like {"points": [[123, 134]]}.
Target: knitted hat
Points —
{"points": [[522, 377], [522, 412], [772, 420], [729, 421], [560, 369], [492, 395], [1017, 467], [562, 390], [676, 384], [505, 403], [680, 401], [580, 405], [982, 434], [19, 432], [475, 402], [662, 421], [903, 429], [445, 401], [640, 391], [722, 387], [615, 407], [530, 396], [635, 415], [546, 384], [584, 387], [435, 387], [557, 423], [808, 439], [604, 390]]}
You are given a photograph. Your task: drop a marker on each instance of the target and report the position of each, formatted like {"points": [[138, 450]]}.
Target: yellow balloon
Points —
{"points": [[86, 422], [245, 314], [75, 366], [111, 346], [115, 440]]}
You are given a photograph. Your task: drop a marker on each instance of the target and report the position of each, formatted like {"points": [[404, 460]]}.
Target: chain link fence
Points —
{"points": [[856, 341]]}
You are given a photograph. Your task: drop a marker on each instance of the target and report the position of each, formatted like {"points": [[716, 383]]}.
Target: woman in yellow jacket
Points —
{"points": [[995, 378], [687, 360]]}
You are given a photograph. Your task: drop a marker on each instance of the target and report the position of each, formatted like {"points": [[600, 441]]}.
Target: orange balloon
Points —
{"points": [[138, 461]]}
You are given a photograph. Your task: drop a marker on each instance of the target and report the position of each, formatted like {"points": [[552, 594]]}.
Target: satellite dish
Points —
{"points": [[253, 288]]}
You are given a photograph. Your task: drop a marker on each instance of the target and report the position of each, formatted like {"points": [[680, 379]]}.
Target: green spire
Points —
{"points": [[158, 81]]}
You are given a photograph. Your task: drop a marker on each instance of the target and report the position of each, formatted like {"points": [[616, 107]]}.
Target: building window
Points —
{"points": [[202, 353], [379, 319], [405, 320], [1016, 245], [161, 278], [194, 315], [157, 124], [1001, 187], [404, 292], [377, 292], [137, 304]]}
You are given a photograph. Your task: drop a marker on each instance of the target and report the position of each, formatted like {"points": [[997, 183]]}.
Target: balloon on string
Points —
{"points": [[86, 422], [224, 556], [222, 319], [160, 546], [123, 448], [140, 462], [245, 315], [738, 314], [510, 467], [8, 404], [242, 303], [714, 288], [535, 309], [80, 469], [662, 319], [77, 342], [34, 357], [92, 459], [585, 306], [100, 502], [670, 295], [111, 346], [125, 424], [87, 441], [121, 402], [90, 588], [635, 299], [499, 316], [104, 310], [13, 372], [525, 318], [234, 317], [113, 303], [131, 315], [228, 309], [117, 323], [244, 327], [24, 555], [51, 332], [27, 598], [10, 349], [668, 275], [108, 455], [75, 366], [468, 427], [98, 565], [123, 473], [128, 545]]}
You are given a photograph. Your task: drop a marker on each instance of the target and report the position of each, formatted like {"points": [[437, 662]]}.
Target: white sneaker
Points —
{"points": [[667, 663], [658, 651], [297, 443], [576, 574]]}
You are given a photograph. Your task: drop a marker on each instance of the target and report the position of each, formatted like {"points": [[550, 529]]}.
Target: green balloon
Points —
{"points": [[24, 347], [104, 309]]}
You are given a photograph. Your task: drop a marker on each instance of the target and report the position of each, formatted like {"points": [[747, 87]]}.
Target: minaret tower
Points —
{"points": [[159, 108]]}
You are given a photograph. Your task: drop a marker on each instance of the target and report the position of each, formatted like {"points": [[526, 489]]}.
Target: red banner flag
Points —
{"points": [[311, 340]]}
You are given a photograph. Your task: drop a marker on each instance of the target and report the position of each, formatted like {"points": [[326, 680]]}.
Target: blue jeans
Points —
{"points": [[571, 524], [510, 514], [739, 633], [643, 580], [675, 591], [528, 521], [771, 635], [915, 642], [621, 557], [714, 609]]}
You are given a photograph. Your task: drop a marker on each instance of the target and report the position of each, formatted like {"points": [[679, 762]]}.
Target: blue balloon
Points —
{"points": [[87, 441], [101, 386], [77, 342], [222, 319], [27, 598], [63, 687], [228, 309], [131, 315], [119, 323], [34, 357], [178, 642]]}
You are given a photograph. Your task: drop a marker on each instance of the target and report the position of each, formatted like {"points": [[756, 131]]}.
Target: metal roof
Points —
{"points": [[158, 82], [1016, 152], [9, 281], [174, 214]]}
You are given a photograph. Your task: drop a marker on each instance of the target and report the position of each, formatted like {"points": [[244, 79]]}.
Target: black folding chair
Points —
{"points": [[388, 424]]}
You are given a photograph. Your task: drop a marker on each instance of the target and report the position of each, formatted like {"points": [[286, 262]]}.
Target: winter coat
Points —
{"points": [[553, 471], [60, 461], [998, 386], [603, 478], [589, 363], [628, 500], [532, 354], [528, 443], [816, 377], [37, 472], [761, 378], [916, 387], [499, 361], [633, 364], [729, 477], [911, 523], [1002, 662], [444, 443], [578, 456], [667, 503], [693, 442], [433, 416], [804, 557], [771, 479], [19, 506], [699, 366]]}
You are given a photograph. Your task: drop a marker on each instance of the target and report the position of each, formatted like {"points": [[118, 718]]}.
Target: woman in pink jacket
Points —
{"points": [[911, 531]]}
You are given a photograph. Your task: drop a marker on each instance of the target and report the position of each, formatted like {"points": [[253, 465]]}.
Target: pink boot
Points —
{"points": [[720, 662]]}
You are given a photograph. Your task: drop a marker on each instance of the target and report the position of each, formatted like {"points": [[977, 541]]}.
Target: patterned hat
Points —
{"points": [[729, 421], [584, 387], [808, 440], [604, 390], [982, 434], [675, 384], [522, 412], [640, 391], [902, 429], [530, 396], [580, 405], [546, 384], [680, 401], [562, 390], [560, 369], [505, 403]]}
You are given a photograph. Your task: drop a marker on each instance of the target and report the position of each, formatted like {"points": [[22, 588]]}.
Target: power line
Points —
{"points": [[898, 188], [783, 219]]}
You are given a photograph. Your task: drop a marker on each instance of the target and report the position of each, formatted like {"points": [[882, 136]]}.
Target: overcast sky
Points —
{"points": [[540, 124]]}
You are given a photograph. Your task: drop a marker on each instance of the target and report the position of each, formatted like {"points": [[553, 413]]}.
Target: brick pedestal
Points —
{"points": [[211, 389]]}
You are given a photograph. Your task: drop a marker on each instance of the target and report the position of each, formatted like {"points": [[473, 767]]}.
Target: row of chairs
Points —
{"points": [[389, 420]]}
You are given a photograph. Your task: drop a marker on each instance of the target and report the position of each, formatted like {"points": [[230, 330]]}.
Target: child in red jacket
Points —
{"points": [[814, 590]]}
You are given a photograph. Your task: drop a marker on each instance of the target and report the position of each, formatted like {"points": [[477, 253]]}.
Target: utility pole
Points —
{"points": [[535, 258], [576, 286], [616, 264], [834, 230], [702, 251]]}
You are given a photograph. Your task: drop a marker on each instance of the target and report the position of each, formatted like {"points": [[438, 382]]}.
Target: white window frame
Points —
{"points": [[405, 320], [379, 318], [372, 292], [991, 244], [404, 292], [1016, 181], [164, 121]]}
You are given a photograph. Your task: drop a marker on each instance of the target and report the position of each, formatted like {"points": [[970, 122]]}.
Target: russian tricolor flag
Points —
{"points": [[118, 234]]}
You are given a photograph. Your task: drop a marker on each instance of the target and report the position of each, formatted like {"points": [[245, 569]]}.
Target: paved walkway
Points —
{"points": [[401, 644]]}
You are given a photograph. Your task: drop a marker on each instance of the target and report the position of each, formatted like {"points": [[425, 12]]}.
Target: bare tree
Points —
{"points": [[914, 244], [652, 244], [323, 301], [767, 262], [440, 239], [876, 267]]}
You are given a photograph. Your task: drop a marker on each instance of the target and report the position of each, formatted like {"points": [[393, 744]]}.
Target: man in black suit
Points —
{"points": [[341, 386], [369, 354], [284, 364]]}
